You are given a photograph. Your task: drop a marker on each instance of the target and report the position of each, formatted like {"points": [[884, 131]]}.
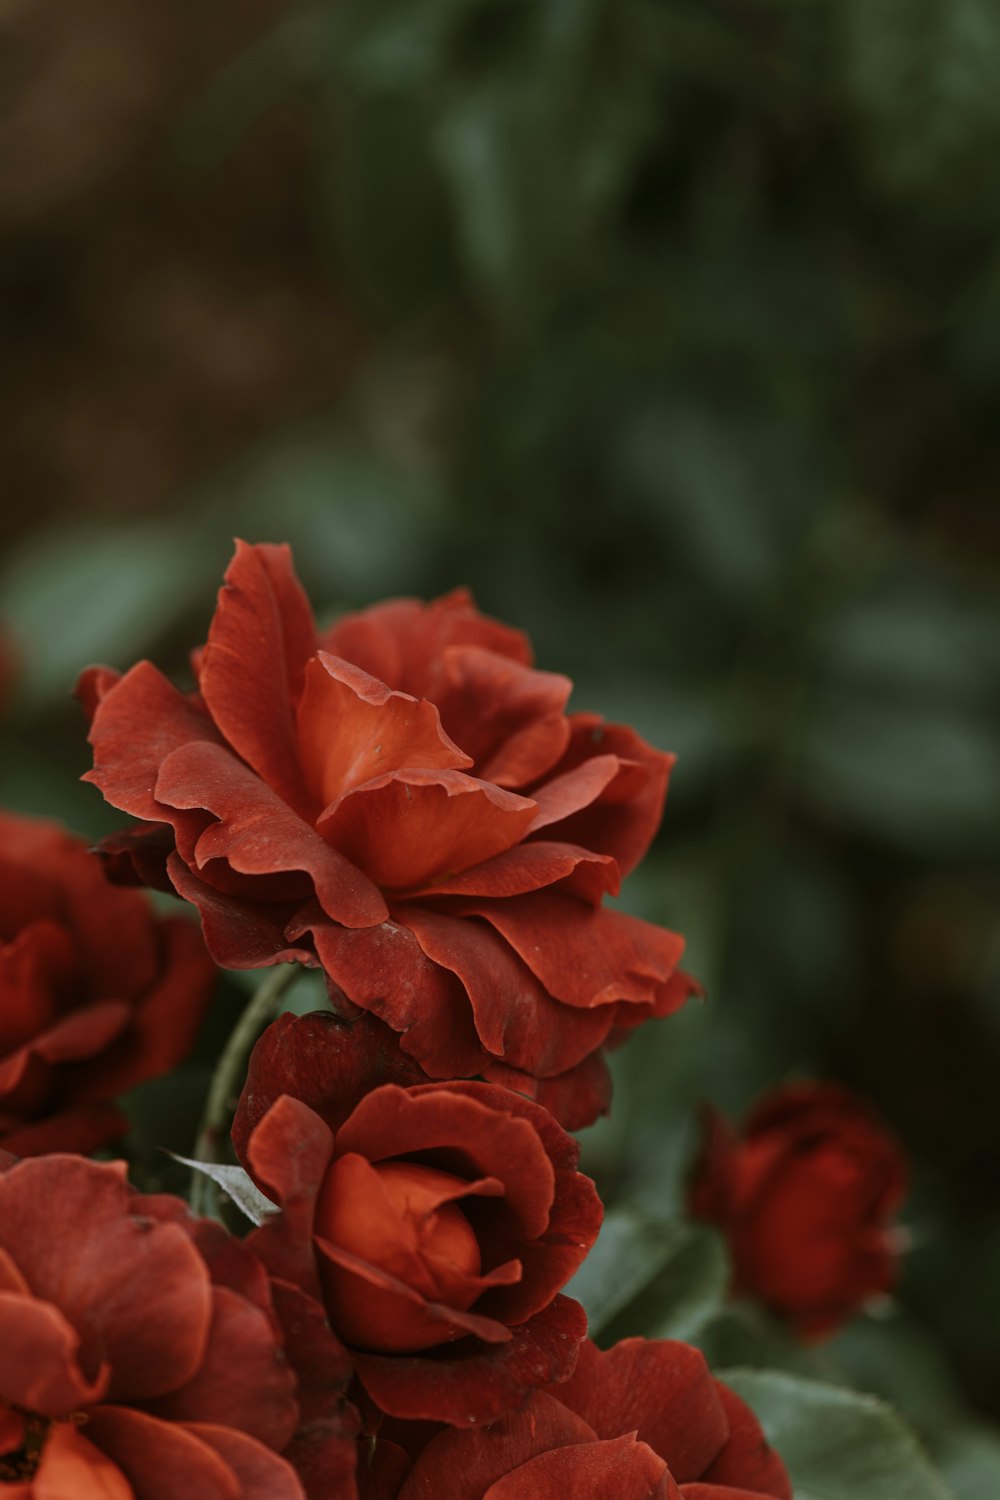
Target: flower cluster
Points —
{"points": [[406, 804]]}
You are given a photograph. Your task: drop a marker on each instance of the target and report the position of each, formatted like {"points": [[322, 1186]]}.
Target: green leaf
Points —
{"points": [[837, 1444], [660, 1280], [969, 1457]]}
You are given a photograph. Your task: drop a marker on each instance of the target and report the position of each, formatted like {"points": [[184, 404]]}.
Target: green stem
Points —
{"points": [[228, 1078]]}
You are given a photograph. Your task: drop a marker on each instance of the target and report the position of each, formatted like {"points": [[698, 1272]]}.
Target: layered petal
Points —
{"points": [[138, 1296], [659, 1388], [254, 663], [408, 827], [256, 833], [586, 957], [619, 1469], [462, 1462], [477, 1386], [516, 1018], [352, 728]]}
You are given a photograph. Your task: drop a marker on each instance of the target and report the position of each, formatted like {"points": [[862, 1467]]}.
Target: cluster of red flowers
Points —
{"points": [[405, 803]]}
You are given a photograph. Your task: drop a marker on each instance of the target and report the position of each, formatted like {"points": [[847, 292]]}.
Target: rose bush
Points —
{"points": [[436, 1221], [642, 1421], [404, 800], [97, 993], [805, 1194], [141, 1351]]}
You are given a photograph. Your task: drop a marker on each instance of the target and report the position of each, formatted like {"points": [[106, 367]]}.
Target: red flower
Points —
{"points": [[98, 994], [805, 1195], [140, 1350], [438, 1223], [643, 1421], [405, 801]]}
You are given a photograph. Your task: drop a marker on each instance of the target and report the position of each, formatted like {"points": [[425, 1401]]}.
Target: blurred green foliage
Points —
{"points": [[682, 349]]}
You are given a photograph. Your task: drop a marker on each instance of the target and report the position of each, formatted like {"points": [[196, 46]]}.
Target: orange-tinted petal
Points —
{"points": [[406, 827], [252, 669], [351, 728]]}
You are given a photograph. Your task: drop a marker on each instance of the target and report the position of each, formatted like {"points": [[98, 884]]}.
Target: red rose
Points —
{"points": [[98, 994], [140, 1351], [805, 1195], [405, 801], [436, 1221], [642, 1421]]}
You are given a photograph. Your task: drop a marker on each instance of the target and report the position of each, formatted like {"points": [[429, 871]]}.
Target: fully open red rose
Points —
{"points": [[438, 1223], [805, 1194], [642, 1421], [140, 1350], [405, 800], [97, 993]]}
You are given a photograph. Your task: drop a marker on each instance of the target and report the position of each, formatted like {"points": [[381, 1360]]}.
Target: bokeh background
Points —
{"points": [[671, 327]]}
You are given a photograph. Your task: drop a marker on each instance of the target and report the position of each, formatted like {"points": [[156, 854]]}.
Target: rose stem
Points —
{"points": [[228, 1078]]}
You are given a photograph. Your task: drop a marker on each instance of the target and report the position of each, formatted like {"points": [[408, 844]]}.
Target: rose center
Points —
{"points": [[22, 1438], [424, 1241]]}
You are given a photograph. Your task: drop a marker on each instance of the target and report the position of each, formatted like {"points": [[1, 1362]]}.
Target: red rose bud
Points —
{"points": [[642, 1421], [98, 994], [805, 1195], [405, 801], [416, 1208], [142, 1352], [438, 1217]]}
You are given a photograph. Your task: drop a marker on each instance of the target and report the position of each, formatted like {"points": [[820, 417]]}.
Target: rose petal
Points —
{"points": [[491, 1142], [94, 684], [328, 1063], [576, 1098], [659, 1387], [516, 1019], [253, 666], [746, 1458], [384, 970], [582, 956], [243, 1381], [470, 1389], [402, 641], [619, 1469], [371, 1282], [37, 966], [40, 1367], [139, 1296], [531, 867], [137, 725], [352, 728], [161, 1460], [323, 1451], [463, 1462], [548, 1261], [408, 826], [623, 819], [259, 834], [509, 717], [567, 793], [163, 1025], [74, 1468], [238, 934], [262, 1475], [702, 1491], [287, 1155]]}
